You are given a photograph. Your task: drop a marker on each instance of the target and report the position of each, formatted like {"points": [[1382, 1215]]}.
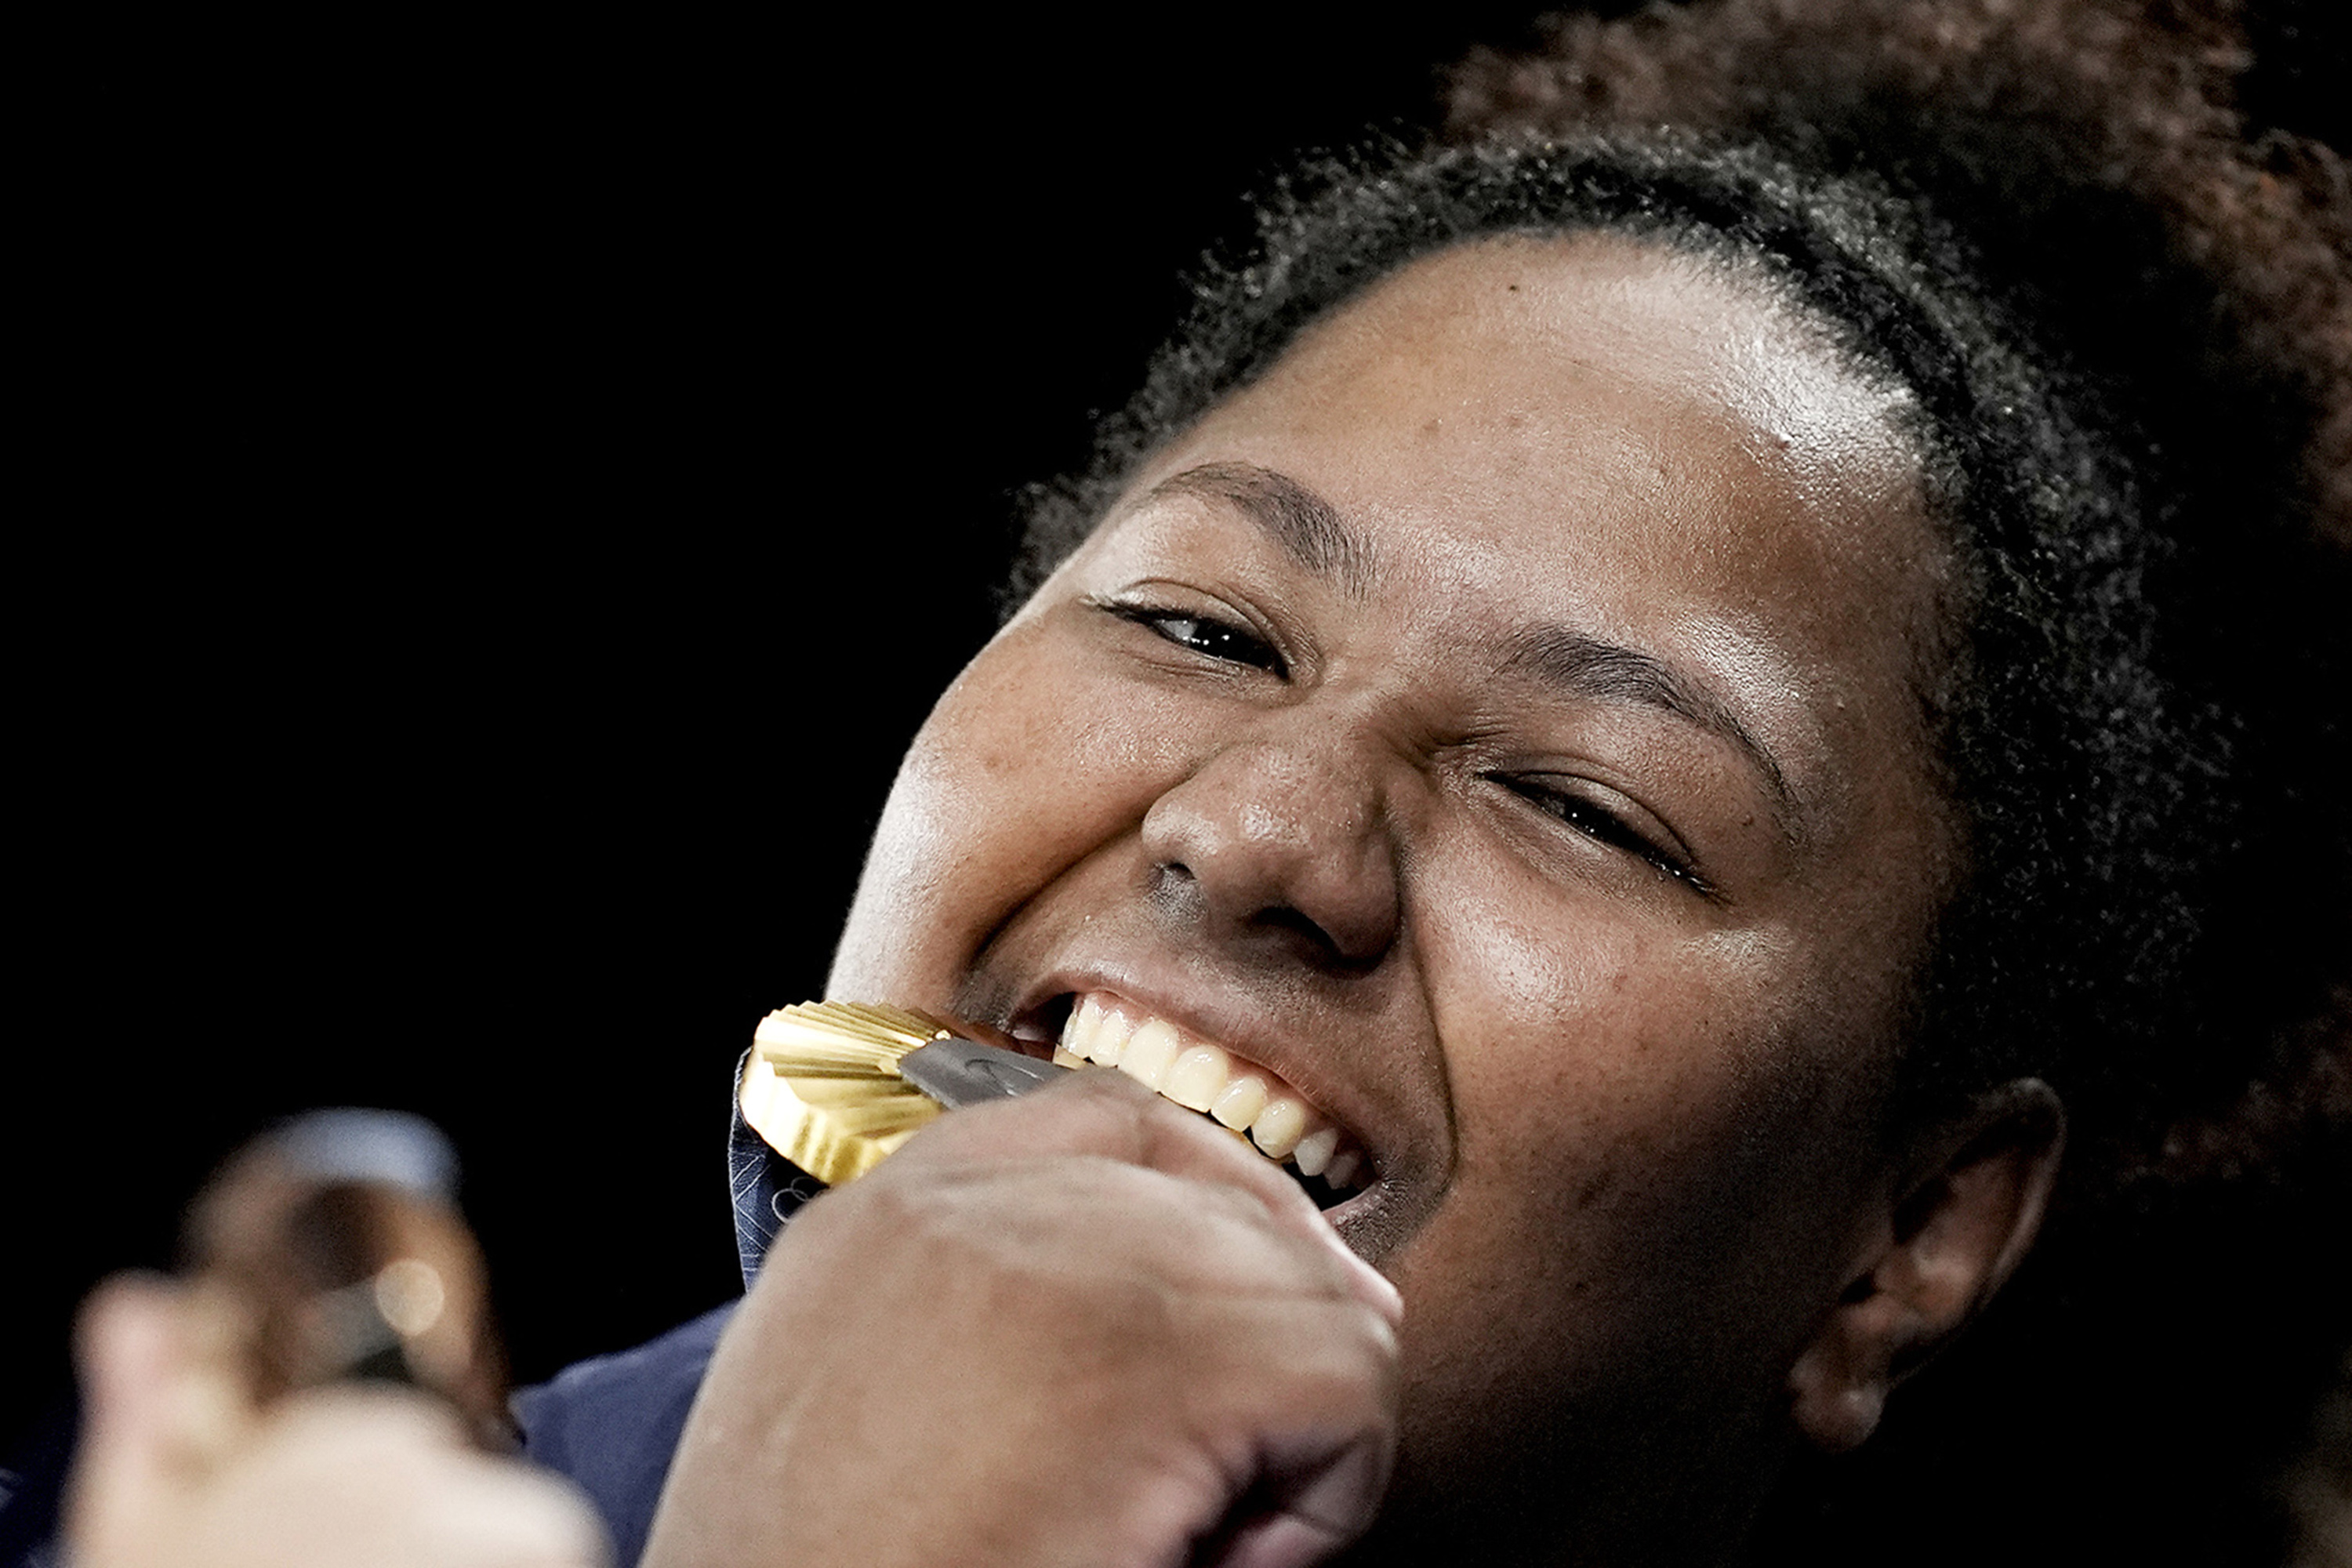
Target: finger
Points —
{"points": [[126, 1347], [161, 1405], [1326, 1494], [1321, 1413], [1313, 1498], [1308, 1379], [1282, 1541], [392, 1466], [1110, 1114], [1143, 1231], [159, 1368]]}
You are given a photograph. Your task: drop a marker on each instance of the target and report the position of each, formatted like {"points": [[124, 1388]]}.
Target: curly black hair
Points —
{"points": [[2127, 336]]}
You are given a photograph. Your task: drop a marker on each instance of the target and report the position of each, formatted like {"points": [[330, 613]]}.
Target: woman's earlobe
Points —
{"points": [[1951, 1238]]}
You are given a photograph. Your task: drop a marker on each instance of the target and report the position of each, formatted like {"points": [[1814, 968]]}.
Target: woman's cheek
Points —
{"points": [[1605, 1077], [1035, 759]]}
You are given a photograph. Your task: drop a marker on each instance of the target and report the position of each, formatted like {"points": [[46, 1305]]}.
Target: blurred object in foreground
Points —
{"points": [[335, 1244], [2319, 1489]]}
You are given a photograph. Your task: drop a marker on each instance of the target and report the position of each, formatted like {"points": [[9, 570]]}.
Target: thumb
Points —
{"points": [[1323, 1494], [162, 1403]]}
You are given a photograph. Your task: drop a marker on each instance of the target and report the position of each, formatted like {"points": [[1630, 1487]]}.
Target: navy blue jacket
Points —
{"points": [[612, 1424]]}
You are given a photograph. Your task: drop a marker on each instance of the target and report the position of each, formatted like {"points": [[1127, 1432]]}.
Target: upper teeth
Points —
{"points": [[1206, 1078]]}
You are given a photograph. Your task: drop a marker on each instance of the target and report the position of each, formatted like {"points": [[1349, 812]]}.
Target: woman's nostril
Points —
{"points": [[1297, 925]]}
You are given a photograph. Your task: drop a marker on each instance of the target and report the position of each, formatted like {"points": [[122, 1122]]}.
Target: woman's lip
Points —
{"points": [[1039, 1047]]}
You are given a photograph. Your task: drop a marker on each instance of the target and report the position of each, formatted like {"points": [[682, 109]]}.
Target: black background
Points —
{"points": [[494, 503], [497, 504]]}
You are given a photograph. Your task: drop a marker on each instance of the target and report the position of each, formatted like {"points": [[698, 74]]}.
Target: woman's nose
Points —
{"points": [[1281, 841]]}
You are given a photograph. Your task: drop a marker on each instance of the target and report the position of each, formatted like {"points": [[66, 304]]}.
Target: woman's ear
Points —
{"points": [[1949, 1237]]}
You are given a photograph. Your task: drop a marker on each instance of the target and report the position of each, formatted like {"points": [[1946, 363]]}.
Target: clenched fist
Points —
{"points": [[1084, 1327]]}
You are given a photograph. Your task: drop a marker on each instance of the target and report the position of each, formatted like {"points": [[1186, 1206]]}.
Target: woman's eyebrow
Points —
{"points": [[1309, 529], [1311, 532], [1590, 666]]}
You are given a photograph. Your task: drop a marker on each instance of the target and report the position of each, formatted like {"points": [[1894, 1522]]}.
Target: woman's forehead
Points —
{"points": [[1559, 405], [1501, 325]]}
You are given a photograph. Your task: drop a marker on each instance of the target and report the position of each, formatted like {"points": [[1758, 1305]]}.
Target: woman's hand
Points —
{"points": [[177, 1470], [1083, 1327]]}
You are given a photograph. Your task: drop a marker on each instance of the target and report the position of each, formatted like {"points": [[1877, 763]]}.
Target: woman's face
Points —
{"points": [[1498, 725]]}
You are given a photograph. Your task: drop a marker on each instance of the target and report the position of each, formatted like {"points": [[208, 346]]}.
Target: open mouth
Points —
{"points": [[1276, 1121]]}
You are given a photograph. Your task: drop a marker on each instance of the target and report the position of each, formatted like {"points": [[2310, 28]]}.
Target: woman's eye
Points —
{"points": [[1211, 638], [1596, 822]]}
